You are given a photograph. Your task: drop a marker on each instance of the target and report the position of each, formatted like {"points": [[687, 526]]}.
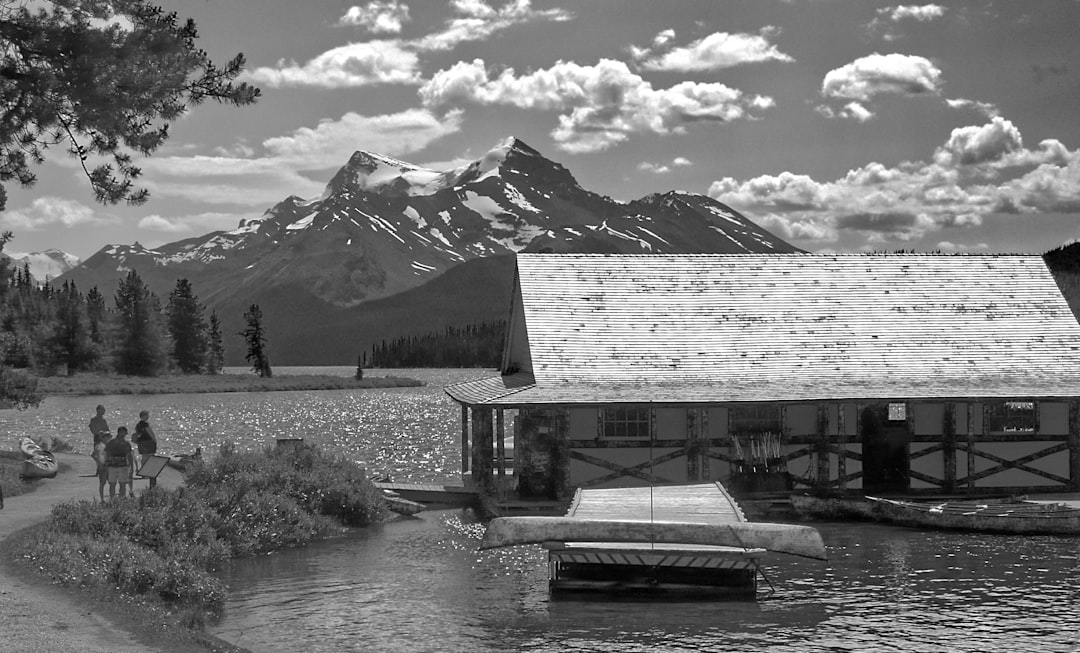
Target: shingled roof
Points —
{"points": [[588, 329]]}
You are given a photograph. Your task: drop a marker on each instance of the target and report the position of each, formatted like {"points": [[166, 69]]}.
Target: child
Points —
{"points": [[99, 458]]}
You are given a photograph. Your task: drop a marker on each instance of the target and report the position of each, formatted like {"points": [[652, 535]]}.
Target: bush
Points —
{"points": [[165, 544]]}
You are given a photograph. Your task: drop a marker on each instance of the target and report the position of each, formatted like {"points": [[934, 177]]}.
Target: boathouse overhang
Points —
{"points": [[952, 337]]}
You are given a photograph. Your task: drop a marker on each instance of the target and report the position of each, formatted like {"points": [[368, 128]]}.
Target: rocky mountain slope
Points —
{"points": [[335, 274]]}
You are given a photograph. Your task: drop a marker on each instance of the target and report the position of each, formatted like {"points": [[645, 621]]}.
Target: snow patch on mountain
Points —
{"points": [[45, 265]]}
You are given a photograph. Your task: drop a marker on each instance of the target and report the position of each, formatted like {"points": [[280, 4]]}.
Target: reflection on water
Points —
{"points": [[410, 434], [421, 585]]}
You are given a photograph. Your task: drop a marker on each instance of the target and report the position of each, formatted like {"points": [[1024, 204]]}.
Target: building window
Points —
{"points": [[897, 412], [1011, 417], [626, 423], [759, 418]]}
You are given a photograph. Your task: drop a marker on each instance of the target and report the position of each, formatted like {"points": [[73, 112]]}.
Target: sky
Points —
{"points": [[838, 125]]}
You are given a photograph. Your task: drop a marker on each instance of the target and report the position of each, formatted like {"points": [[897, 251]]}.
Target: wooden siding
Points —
{"points": [[711, 328]]}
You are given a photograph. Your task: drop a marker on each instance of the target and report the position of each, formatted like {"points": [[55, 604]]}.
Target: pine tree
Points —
{"points": [[17, 388], [104, 78], [141, 350], [69, 342], [215, 351], [256, 342], [187, 328]]}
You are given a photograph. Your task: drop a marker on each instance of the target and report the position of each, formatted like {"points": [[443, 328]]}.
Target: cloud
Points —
{"points": [[714, 52], [876, 74], [397, 61], [888, 18], [51, 211], [478, 21], [920, 13], [331, 142], [598, 105], [377, 17], [197, 223], [978, 171], [347, 66], [664, 168], [985, 108], [260, 180]]}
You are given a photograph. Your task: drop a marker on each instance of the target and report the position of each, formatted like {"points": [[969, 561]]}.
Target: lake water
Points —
{"points": [[419, 584]]}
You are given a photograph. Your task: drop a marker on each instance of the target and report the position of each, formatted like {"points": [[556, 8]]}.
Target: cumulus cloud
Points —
{"points": [[352, 65], [978, 171], [50, 211], [397, 61], [876, 74], [599, 105], [714, 52], [861, 80], [377, 17]]}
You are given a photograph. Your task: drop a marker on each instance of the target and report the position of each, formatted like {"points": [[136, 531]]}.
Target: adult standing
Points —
{"points": [[119, 460], [145, 440], [98, 425]]}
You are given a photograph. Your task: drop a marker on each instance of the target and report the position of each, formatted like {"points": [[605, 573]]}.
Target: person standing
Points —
{"points": [[119, 460], [102, 467], [145, 440], [98, 425]]}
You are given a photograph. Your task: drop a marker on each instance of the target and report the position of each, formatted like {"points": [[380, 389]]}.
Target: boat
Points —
{"points": [[1008, 516], [689, 540], [38, 462]]}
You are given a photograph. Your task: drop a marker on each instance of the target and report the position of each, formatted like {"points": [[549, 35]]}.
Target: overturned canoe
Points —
{"points": [[803, 541]]}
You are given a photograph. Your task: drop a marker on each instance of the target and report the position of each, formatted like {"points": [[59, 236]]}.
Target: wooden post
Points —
{"points": [[707, 442], [464, 440], [971, 444], [560, 454], [822, 475], [482, 453], [841, 447], [500, 450], [948, 428], [693, 445], [1074, 444]]}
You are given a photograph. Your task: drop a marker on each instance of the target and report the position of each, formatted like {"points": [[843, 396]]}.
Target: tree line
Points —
{"points": [[474, 345], [48, 329]]}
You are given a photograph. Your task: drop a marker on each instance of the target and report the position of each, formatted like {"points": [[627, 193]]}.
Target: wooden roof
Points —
{"points": [[767, 327]]}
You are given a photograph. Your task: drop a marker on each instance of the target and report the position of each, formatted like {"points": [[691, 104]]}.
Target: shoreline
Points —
{"points": [[39, 615], [107, 384]]}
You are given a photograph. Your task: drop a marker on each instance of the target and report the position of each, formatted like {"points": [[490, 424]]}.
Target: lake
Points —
{"points": [[419, 584]]}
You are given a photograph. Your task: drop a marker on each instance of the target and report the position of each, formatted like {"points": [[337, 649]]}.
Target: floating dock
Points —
{"points": [[691, 540]]}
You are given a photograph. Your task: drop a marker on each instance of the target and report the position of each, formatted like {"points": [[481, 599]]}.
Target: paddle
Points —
{"points": [[792, 539]]}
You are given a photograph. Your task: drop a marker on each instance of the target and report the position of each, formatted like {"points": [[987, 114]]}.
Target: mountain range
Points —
{"points": [[43, 266], [391, 249]]}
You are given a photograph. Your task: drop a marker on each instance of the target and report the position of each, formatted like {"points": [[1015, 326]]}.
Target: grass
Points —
{"points": [[106, 384], [161, 548]]}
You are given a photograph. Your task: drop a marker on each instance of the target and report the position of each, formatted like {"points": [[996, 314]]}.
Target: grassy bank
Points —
{"points": [[101, 384], [160, 550]]}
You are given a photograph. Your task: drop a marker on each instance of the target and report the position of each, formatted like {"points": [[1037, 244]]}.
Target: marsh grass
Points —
{"points": [[163, 546], [105, 384]]}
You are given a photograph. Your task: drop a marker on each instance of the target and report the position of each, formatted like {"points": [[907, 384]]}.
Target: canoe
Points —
{"points": [[1011, 517], [39, 463], [43, 466], [803, 541], [989, 515]]}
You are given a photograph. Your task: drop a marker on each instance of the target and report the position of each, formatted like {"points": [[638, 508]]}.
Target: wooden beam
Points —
{"points": [[482, 453], [1074, 444], [464, 439]]}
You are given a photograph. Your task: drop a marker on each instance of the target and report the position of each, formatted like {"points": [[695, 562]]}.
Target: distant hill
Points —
{"points": [[393, 249], [44, 266]]}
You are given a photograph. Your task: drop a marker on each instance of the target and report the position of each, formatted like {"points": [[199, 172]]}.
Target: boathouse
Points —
{"points": [[881, 373]]}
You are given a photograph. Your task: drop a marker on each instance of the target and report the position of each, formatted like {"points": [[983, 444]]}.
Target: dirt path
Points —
{"points": [[36, 616]]}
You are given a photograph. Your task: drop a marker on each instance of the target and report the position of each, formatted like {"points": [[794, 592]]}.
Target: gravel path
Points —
{"points": [[36, 616]]}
